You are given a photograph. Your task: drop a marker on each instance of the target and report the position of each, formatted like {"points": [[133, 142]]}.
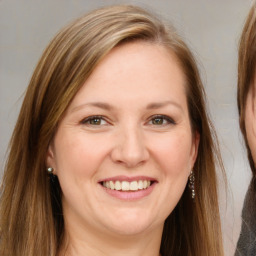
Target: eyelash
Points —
{"points": [[164, 118], [91, 118], [168, 119]]}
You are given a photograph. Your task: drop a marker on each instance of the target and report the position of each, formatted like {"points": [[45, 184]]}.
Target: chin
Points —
{"points": [[131, 224], [130, 229]]}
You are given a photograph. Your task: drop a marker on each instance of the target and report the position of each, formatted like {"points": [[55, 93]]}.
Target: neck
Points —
{"points": [[102, 244]]}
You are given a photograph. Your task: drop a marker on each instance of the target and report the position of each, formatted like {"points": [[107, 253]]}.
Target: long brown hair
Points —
{"points": [[246, 72], [31, 218]]}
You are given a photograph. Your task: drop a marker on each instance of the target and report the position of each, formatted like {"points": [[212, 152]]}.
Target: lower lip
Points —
{"points": [[131, 195]]}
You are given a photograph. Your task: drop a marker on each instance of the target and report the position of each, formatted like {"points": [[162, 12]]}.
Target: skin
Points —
{"points": [[133, 83], [250, 117]]}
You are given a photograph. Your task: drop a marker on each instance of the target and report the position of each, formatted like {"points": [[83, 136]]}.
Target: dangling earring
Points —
{"points": [[52, 176], [50, 170], [191, 184]]}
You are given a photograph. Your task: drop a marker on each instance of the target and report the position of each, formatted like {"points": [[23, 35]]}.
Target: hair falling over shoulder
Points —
{"points": [[31, 218]]}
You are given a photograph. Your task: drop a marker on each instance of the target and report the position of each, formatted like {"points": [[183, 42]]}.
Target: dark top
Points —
{"points": [[246, 245]]}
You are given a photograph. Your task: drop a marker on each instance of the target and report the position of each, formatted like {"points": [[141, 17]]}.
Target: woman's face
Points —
{"points": [[124, 149], [250, 121]]}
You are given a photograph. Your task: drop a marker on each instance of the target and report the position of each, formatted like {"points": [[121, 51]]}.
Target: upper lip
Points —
{"points": [[127, 178]]}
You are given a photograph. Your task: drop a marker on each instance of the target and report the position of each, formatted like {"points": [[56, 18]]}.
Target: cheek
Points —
{"points": [[78, 155], [250, 127], [250, 122], [173, 159], [174, 154]]}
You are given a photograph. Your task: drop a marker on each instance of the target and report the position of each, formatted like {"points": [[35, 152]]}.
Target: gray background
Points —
{"points": [[211, 29]]}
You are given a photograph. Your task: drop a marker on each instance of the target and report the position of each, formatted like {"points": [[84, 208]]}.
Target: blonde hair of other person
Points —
{"points": [[246, 73], [246, 244]]}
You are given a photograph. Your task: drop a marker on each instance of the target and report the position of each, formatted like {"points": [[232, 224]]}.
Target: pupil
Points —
{"points": [[95, 121], [158, 121]]}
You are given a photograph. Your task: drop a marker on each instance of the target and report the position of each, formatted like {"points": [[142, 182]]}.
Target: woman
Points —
{"points": [[246, 105], [115, 114]]}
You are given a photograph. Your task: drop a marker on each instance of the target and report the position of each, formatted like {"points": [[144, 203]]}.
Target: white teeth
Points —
{"points": [[126, 185], [140, 184], [118, 185], [112, 185], [134, 185]]}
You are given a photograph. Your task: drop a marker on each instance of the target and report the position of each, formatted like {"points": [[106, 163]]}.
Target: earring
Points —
{"points": [[191, 184], [50, 170], [51, 175]]}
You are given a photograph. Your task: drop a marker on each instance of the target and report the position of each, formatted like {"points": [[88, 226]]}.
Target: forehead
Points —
{"points": [[135, 70]]}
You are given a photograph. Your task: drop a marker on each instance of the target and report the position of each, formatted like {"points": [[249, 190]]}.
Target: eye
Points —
{"points": [[159, 120], [94, 121]]}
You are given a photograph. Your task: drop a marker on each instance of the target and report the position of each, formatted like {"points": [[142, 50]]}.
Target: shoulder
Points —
{"points": [[249, 208], [246, 245]]}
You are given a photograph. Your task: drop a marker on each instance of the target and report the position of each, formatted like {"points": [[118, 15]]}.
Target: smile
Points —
{"points": [[126, 185]]}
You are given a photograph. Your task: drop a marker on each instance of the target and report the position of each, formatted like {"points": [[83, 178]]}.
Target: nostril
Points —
{"points": [[130, 152]]}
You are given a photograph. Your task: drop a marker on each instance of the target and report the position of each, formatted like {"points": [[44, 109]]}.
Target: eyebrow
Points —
{"points": [[101, 105], [156, 105], [106, 106]]}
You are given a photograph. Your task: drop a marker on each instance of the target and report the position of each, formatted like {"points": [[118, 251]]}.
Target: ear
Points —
{"points": [[50, 160], [194, 148]]}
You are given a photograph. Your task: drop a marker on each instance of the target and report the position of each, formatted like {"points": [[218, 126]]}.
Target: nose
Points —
{"points": [[130, 148]]}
